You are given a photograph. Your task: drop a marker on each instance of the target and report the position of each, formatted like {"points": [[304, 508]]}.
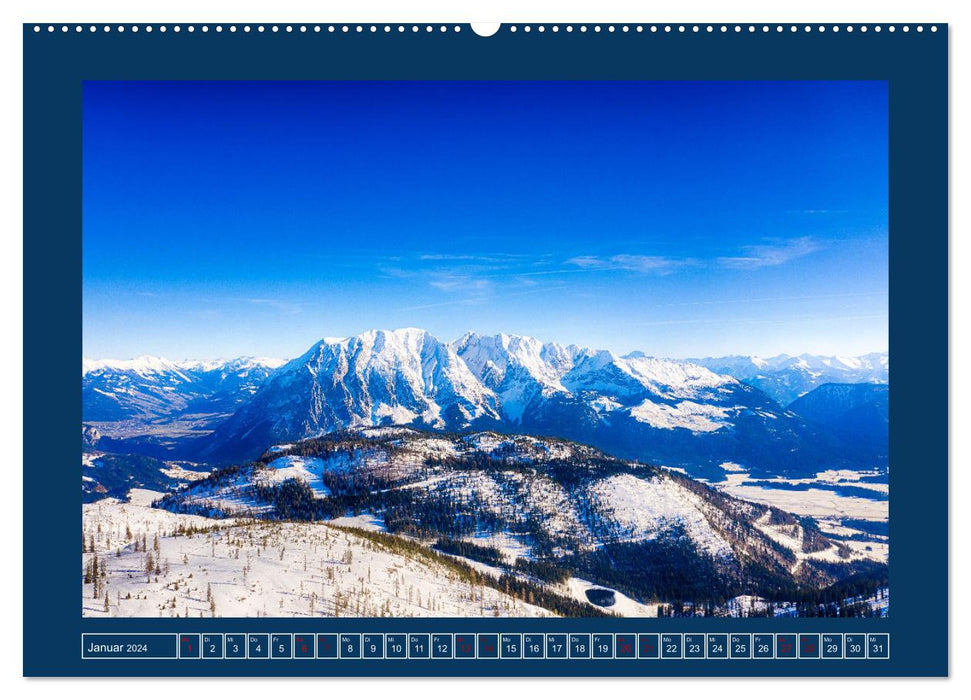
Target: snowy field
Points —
{"points": [[817, 503], [236, 568]]}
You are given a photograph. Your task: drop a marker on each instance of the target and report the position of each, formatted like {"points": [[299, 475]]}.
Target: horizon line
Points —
{"points": [[339, 339]]}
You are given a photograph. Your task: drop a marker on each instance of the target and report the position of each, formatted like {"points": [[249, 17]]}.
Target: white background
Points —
{"points": [[508, 11]]}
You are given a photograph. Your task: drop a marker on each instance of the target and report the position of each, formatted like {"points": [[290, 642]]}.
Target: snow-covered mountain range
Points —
{"points": [[786, 377], [152, 389], [666, 411], [408, 376], [672, 412]]}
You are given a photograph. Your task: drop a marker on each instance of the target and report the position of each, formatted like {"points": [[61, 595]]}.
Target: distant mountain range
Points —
{"points": [[151, 391], [785, 377], [690, 414]]}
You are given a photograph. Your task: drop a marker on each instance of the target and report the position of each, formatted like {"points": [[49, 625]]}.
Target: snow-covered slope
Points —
{"points": [[786, 377], [519, 369], [536, 499], [192, 566]]}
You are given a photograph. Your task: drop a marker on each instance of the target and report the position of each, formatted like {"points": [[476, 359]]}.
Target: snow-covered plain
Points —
{"points": [[813, 502]]}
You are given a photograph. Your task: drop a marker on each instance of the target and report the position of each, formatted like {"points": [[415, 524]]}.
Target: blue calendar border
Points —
{"points": [[916, 68]]}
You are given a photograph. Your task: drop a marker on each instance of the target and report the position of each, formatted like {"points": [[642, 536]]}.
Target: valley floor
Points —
{"points": [[805, 497], [850, 517]]}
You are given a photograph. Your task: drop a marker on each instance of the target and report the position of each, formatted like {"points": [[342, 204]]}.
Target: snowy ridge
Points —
{"points": [[787, 377], [518, 368], [146, 365], [519, 383], [439, 470], [538, 498]]}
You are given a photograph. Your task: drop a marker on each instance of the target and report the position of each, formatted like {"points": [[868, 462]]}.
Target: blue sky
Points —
{"points": [[678, 218]]}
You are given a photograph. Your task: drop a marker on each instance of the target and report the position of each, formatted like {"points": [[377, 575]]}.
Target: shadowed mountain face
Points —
{"points": [[638, 407], [859, 414]]}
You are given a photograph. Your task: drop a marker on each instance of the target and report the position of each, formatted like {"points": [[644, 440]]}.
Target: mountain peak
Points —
{"points": [[648, 407], [140, 364], [500, 360], [402, 333], [397, 339]]}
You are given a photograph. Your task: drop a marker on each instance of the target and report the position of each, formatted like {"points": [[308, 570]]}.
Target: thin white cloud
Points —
{"points": [[769, 254], [776, 252], [446, 256], [461, 283], [644, 264], [471, 258]]}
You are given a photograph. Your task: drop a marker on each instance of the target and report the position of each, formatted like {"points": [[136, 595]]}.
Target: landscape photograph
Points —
{"points": [[485, 349]]}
